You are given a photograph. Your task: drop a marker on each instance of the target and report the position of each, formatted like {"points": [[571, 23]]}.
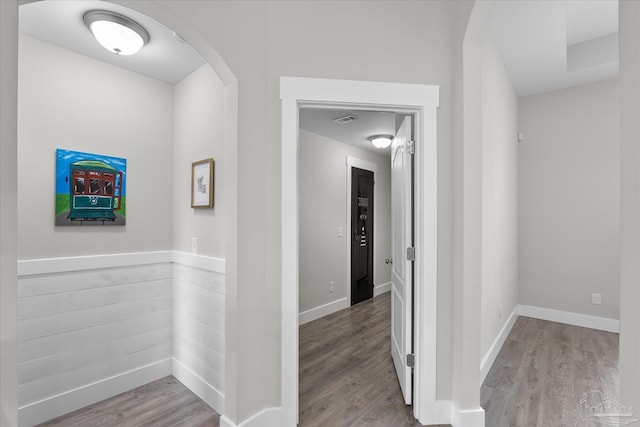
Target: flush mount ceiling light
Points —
{"points": [[115, 32], [381, 141]]}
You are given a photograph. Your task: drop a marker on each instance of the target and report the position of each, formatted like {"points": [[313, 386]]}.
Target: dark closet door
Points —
{"points": [[361, 235]]}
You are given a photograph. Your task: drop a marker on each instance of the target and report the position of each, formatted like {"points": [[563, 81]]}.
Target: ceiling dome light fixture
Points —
{"points": [[115, 32], [381, 141]]}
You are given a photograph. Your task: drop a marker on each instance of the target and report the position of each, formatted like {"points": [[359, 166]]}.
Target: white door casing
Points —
{"points": [[402, 268], [422, 101]]}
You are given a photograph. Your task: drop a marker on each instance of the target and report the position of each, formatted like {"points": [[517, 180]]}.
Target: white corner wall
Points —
{"points": [[102, 310], [569, 206], [198, 339], [199, 133], [499, 199], [8, 211], [323, 208], [630, 203], [67, 100]]}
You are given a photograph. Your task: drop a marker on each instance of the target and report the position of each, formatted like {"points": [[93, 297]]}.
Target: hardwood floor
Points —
{"points": [[544, 370], [162, 403], [347, 377]]}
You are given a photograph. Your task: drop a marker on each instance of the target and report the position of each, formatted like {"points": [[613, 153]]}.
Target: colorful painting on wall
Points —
{"points": [[90, 189]]}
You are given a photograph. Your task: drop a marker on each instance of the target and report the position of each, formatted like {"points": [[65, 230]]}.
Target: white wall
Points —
{"points": [[283, 38], [119, 326], [499, 196], [67, 100], [258, 52], [630, 203], [8, 211], [569, 214], [323, 208], [198, 133]]}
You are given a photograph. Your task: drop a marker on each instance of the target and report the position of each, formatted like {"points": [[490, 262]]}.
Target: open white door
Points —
{"points": [[402, 266]]}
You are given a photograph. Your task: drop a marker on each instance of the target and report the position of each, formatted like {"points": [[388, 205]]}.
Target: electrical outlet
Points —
{"points": [[194, 245], [331, 286], [500, 311], [596, 299]]}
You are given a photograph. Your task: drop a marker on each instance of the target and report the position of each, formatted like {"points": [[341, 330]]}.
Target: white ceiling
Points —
{"points": [[60, 22], [320, 121], [555, 44]]}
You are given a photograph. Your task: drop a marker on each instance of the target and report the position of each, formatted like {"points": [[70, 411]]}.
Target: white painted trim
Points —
{"points": [[63, 403], [323, 310], [270, 417], [443, 410], [422, 100], [381, 289], [213, 264], [448, 412], [496, 346], [576, 319], [354, 162], [467, 417], [91, 262], [205, 391]]}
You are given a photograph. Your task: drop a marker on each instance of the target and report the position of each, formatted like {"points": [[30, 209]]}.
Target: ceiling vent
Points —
{"points": [[346, 119]]}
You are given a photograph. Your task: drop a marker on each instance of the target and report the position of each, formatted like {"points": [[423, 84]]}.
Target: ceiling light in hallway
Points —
{"points": [[115, 32]]}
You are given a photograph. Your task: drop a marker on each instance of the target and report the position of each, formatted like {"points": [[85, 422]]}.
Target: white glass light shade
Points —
{"points": [[381, 141], [116, 33]]}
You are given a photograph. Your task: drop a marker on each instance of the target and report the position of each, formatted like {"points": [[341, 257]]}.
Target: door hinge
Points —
{"points": [[411, 254], [411, 147], [411, 360]]}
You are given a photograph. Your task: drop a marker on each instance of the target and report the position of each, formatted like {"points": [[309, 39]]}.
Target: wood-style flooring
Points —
{"points": [[543, 372], [162, 403], [347, 377]]}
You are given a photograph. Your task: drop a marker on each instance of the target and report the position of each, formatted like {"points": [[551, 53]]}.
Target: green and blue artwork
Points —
{"points": [[90, 189]]}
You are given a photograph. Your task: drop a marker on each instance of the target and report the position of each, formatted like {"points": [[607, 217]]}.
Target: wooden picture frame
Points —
{"points": [[202, 183]]}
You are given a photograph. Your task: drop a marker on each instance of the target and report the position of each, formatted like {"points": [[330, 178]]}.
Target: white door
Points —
{"points": [[402, 268]]}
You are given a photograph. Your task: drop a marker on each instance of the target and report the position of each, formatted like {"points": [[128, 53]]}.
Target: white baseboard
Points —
{"points": [[381, 289], [270, 417], [576, 319], [216, 265], [337, 305], [490, 357], [448, 412], [63, 403], [467, 417], [198, 386], [323, 310]]}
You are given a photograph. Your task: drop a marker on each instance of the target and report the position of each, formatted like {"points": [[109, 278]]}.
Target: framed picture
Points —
{"points": [[202, 184], [90, 189]]}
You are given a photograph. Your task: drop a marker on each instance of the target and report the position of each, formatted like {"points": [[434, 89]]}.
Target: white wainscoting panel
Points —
{"points": [[92, 332], [198, 328]]}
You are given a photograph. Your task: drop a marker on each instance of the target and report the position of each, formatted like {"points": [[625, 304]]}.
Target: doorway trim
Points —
{"points": [[423, 100], [354, 162]]}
